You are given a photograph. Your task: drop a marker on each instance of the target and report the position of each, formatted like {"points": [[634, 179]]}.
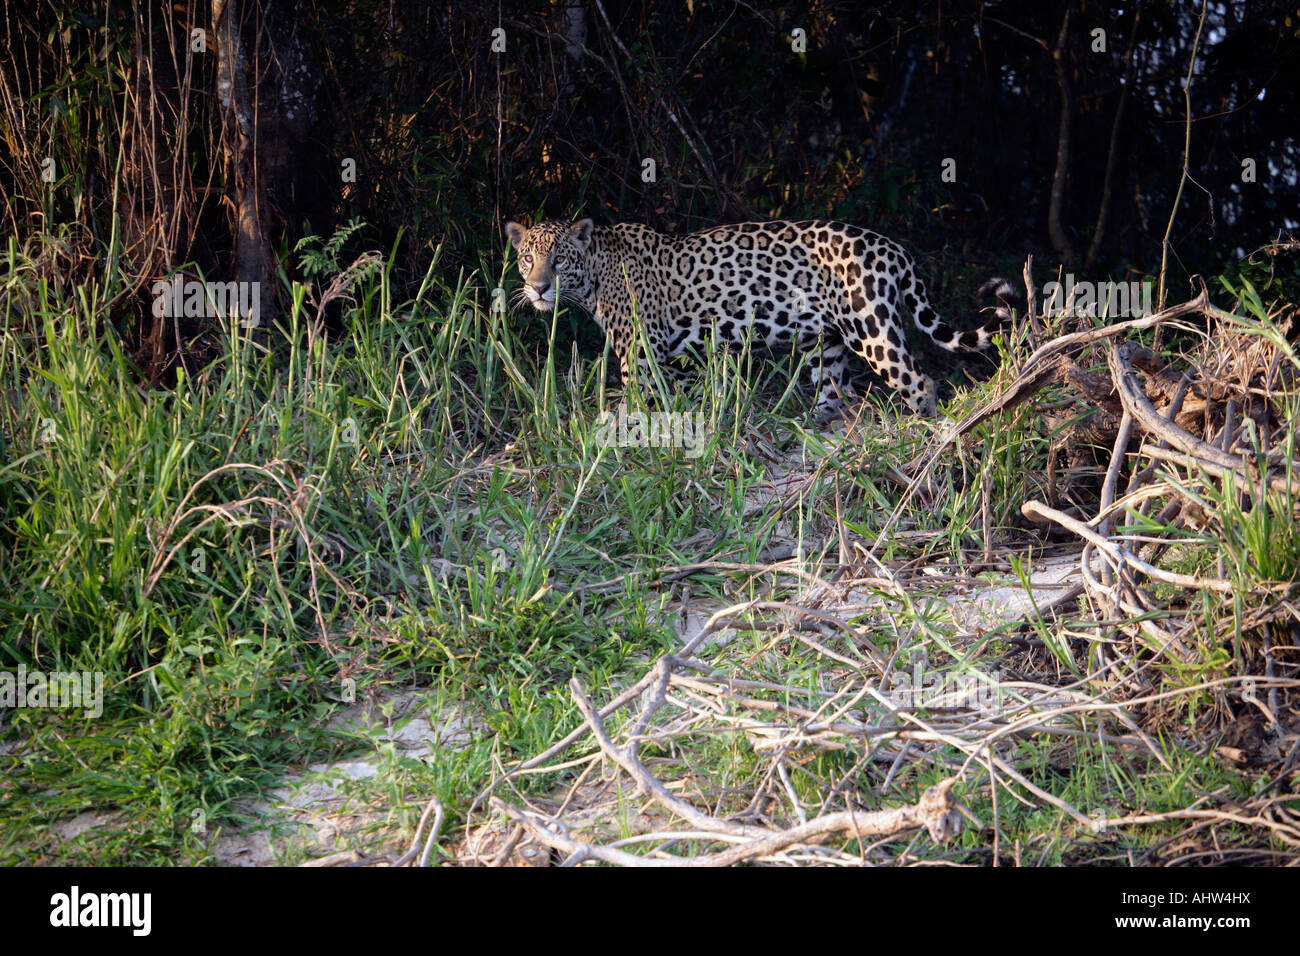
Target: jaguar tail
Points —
{"points": [[1000, 291]]}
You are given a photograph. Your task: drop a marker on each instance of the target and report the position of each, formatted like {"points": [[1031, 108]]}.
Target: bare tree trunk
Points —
{"points": [[1060, 239], [575, 29], [237, 24], [1103, 213]]}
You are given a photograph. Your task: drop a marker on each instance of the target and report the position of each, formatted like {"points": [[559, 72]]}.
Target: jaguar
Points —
{"points": [[831, 288]]}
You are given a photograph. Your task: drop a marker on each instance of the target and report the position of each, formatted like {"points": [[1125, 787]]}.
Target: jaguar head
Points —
{"points": [[553, 260]]}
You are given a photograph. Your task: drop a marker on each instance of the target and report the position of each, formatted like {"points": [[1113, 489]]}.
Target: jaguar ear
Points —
{"points": [[581, 231], [515, 233]]}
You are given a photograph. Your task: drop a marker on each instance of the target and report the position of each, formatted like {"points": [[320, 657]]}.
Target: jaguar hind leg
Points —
{"points": [[827, 376], [874, 333], [901, 373]]}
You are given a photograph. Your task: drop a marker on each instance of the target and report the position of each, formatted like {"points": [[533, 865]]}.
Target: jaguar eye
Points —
{"points": [[561, 262], [526, 258]]}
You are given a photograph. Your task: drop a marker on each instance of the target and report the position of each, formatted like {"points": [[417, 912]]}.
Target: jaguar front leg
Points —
{"points": [[671, 370]]}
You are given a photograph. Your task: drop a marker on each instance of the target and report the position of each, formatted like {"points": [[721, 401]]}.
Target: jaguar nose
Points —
{"points": [[541, 287]]}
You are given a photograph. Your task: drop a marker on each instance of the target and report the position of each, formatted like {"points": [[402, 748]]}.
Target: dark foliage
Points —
{"points": [[677, 114]]}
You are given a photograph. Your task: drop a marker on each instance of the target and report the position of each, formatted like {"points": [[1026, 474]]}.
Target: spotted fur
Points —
{"points": [[812, 285]]}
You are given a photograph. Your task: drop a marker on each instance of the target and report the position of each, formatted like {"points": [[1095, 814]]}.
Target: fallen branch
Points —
{"points": [[1137, 405], [1120, 554], [1044, 366], [936, 811]]}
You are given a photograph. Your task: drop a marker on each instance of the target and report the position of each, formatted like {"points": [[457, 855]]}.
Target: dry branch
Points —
{"points": [[935, 811], [1044, 367]]}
